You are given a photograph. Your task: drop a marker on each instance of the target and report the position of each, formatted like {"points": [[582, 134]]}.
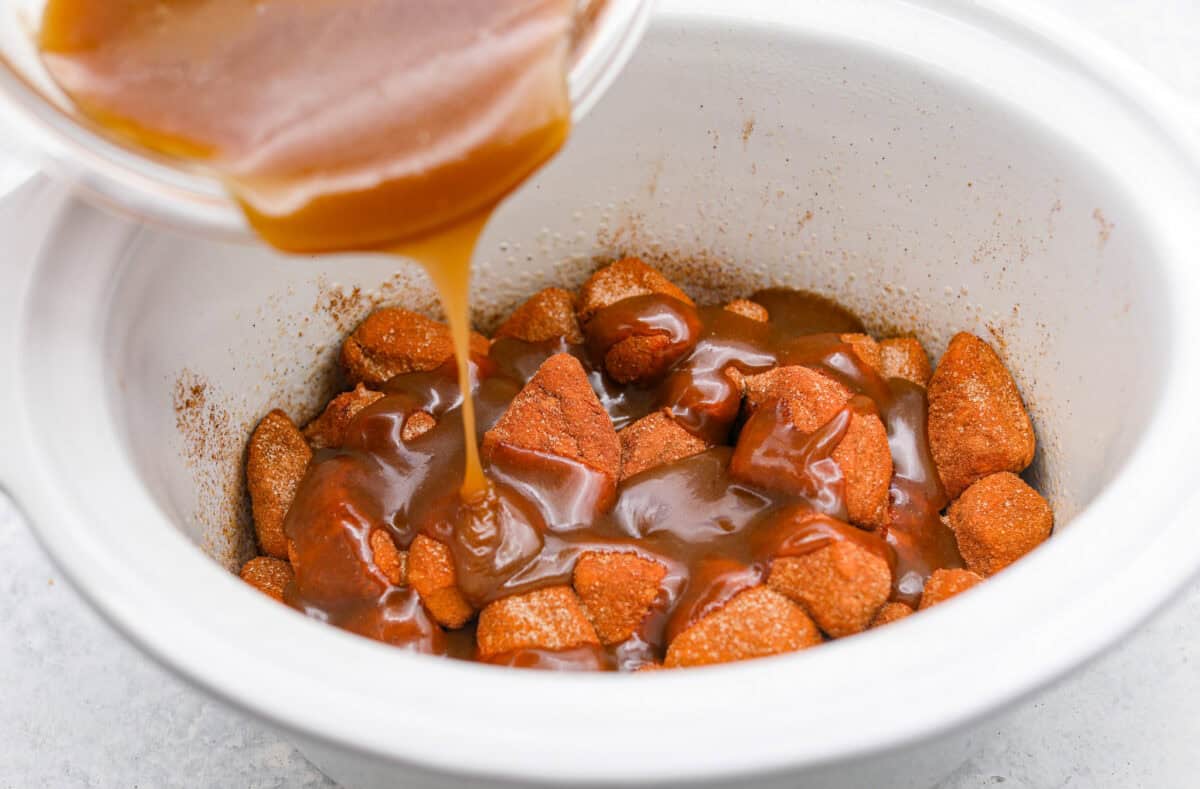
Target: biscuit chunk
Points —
{"points": [[866, 349], [904, 357], [998, 520], [978, 424], [892, 612], [431, 572], [558, 414], [276, 461], [546, 315], [755, 623], [749, 309], [655, 440], [809, 399], [394, 341], [944, 584], [417, 424], [329, 429], [268, 575], [617, 590], [390, 560], [622, 280], [550, 619], [841, 585]]}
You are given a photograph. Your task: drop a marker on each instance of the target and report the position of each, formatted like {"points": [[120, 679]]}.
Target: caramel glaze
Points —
{"points": [[715, 534]]}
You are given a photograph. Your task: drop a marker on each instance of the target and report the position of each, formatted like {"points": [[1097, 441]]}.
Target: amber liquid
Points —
{"points": [[338, 125], [446, 257]]}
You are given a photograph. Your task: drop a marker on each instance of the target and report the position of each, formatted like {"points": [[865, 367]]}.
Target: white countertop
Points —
{"points": [[80, 707]]}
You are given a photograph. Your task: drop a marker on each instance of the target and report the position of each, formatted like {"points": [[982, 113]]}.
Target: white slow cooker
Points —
{"points": [[934, 165]]}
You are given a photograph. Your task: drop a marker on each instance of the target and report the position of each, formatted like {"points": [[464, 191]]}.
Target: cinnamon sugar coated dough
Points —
{"points": [[548, 314], [558, 414], [977, 422], [417, 424], [621, 280], [617, 590], [867, 349], [550, 619], [810, 399], [329, 429], [275, 463], [268, 575], [655, 440], [432, 574], [749, 309], [638, 358], [394, 341], [756, 623], [944, 584], [391, 561], [998, 520], [841, 586], [670, 485], [905, 357], [892, 612]]}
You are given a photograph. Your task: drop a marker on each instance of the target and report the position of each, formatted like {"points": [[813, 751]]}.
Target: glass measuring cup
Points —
{"points": [[40, 124]]}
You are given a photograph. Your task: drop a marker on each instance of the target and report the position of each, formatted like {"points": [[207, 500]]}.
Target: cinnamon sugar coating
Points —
{"points": [[617, 591], [749, 309], [905, 357], [944, 584], [550, 619], [558, 414], [393, 341], [329, 429], [866, 349], [390, 560], [655, 440], [977, 421], [841, 585], [998, 520], [431, 572], [622, 280], [276, 461], [546, 315], [891, 612], [268, 575], [756, 623]]}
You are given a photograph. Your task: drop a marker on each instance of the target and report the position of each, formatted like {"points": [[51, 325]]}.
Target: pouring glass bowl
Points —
{"points": [[46, 128]]}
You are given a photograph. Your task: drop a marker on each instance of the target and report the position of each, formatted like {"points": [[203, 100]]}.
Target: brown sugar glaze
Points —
{"points": [[714, 533]]}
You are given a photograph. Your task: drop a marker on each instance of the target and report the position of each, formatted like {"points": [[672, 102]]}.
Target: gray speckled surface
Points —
{"points": [[81, 708]]}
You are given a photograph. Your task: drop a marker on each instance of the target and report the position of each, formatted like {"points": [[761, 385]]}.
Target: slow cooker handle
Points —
{"points": [[18, 164], [28, 209]]}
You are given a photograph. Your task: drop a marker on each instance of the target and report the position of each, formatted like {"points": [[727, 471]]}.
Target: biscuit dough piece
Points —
{"points": [[998, 520], [394, 341], [978, 424], [617, 591], [755, 623], [276, 461], [550, 619]]}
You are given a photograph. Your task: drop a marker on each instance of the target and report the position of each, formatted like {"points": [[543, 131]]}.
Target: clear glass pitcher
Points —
{"points": [[39, 125]]}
